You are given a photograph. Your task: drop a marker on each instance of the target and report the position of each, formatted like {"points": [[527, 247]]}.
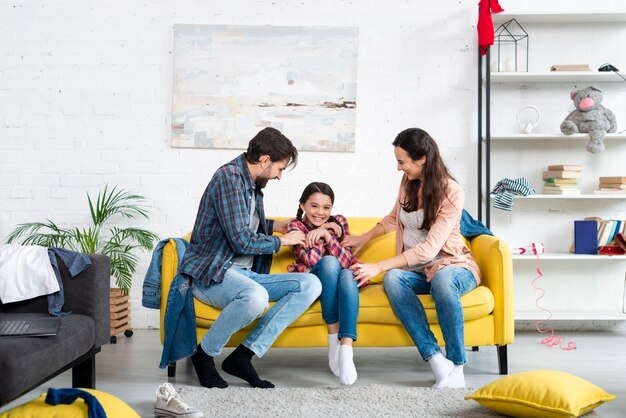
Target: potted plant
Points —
{"points": [[119, 244]]}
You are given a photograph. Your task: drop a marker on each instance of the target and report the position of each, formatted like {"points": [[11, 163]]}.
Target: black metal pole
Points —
{"points": [[479, 184], [488, 138]]}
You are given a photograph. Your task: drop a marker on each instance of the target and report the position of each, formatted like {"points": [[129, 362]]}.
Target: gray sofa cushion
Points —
{"points": [[42, 356]]}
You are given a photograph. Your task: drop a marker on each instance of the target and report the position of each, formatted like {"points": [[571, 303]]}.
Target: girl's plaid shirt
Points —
{"points": [[306, 258]]}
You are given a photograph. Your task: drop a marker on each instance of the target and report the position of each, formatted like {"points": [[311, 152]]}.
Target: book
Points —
{"points": [[570, 67], [561, 191], [561, 182], [604, 231], [610, 192], [585, 237], [613, 180], [547, 185], [612, 186], [561, 174], [565, 167]]}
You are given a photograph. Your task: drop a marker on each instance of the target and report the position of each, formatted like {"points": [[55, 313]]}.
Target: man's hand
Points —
{"points": [[292, 238], [313, 236], [281, 226], [355, 241]]}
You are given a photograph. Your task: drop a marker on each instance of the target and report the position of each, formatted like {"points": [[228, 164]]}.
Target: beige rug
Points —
{"points": [[356, 401]]}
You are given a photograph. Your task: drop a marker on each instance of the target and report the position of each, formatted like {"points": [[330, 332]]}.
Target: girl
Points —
{"points": [[323, 255], [432, 256]]}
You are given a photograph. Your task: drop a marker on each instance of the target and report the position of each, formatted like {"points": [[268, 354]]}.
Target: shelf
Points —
{"points": [[552, 137], [566, 315], [555, 77], [569, 256], [568, 196], [560, 17]]}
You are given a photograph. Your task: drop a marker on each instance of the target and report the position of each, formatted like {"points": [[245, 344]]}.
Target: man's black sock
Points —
{"points": [[239, 363], [206, 371]]}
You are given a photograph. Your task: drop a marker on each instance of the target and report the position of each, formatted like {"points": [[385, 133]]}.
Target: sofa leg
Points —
{"points": [[171, 370], [84, 374], [474, 348], [502, 360]]}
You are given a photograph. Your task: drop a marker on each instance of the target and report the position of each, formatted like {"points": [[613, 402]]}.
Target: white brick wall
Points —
{"points": [[85, 100]]}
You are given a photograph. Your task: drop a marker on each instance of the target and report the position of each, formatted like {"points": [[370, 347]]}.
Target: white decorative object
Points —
{"points": [[527, 123]]}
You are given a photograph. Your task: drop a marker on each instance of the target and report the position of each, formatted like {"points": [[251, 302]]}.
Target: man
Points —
{"points": [[229, 259]]}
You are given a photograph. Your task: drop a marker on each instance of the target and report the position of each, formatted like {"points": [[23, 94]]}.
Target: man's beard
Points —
{"points": [[261, 182]]}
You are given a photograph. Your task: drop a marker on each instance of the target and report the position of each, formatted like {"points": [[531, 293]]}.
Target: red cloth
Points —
{"points": [[485, 24]]}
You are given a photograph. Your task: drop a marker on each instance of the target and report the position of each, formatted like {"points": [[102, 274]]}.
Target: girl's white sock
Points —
{"points": [[455, 380], [441, 366], [347, 370], [333, 354]]}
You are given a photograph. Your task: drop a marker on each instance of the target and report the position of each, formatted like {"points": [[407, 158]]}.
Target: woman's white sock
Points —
{"points": [[441, 366], [347, 370], [333, 354]]}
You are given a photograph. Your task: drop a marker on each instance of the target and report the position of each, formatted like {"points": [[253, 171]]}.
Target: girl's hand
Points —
{"points": [[355, 241], [313, 236], [332, 226], [363, 273]]}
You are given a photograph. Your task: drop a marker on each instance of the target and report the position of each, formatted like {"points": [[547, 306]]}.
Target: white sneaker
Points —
{"points": [[170, 404]]}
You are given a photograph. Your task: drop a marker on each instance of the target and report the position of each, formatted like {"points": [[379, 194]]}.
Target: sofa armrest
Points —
{"points": [[495, 261], [88, 294]]}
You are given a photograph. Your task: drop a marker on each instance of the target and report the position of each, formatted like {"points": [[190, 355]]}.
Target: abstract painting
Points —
{"points": [[232, 81]]}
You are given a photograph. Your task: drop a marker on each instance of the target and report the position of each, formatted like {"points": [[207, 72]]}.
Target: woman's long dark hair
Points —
{"points": [[418, 143], [318, 187]]}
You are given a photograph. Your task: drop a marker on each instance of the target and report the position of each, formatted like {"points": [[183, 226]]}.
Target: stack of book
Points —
{"points": [[562, 179], [570, 67], [608, 228], [612, 185]]}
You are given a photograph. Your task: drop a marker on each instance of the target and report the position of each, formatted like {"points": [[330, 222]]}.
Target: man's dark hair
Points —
{"points": [[270, 141]]}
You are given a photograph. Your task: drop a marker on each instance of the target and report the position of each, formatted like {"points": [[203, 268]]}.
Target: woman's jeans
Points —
{"points": [[446, 288], [340, 295], [243, 295]]}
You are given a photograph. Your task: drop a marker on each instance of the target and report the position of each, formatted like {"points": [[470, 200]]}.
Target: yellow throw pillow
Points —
{"points": [[541, 393], [38, 408]]}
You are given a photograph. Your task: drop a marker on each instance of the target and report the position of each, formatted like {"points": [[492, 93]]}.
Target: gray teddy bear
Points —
{"points": [[589, 117]]}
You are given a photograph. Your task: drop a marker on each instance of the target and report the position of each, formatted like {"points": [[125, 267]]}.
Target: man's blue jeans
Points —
{"points": [[243, 295], [340, 295], [446, 288]]}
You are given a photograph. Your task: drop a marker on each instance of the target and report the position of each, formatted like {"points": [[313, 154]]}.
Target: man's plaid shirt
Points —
{"points": [[222, 231]]}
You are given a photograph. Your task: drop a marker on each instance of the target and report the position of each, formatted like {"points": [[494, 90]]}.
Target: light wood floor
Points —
{"points": [[129, 369]]}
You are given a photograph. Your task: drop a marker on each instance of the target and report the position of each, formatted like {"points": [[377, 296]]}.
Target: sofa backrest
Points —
{"points": [[378, 249]]}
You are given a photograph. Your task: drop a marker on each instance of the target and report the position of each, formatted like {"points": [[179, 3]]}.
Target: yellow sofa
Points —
{"points": [[488, 309]]}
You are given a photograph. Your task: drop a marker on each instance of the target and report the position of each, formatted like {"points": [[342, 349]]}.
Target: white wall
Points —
{"points": [[85, 93]]}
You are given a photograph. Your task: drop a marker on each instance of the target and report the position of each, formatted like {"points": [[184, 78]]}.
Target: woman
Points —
{"points": [[324, 256], [432, 257]]}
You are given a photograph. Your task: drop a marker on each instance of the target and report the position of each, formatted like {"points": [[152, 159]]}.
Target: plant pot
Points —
{"points": [[120, 314]]}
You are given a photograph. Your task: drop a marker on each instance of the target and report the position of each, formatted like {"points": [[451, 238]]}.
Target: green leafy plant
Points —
{"points": [[119, 244]]}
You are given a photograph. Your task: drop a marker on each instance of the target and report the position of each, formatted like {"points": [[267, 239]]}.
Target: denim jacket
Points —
{"points": [[179, 323], [152, 282]]}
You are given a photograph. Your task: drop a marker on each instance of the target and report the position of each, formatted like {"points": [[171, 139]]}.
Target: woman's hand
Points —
{"points": [[332, 226], [363, 273], [313, 236], [355, 241]]}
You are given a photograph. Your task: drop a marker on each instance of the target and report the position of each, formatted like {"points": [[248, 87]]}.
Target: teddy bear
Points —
{"points": [[589, 117]]}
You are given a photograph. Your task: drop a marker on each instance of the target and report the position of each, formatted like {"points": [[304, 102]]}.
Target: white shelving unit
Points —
{"points": [[577, 287]]}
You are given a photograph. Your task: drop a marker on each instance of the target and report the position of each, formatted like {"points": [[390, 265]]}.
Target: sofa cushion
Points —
{"points": [[374, 308], [26, 361]]}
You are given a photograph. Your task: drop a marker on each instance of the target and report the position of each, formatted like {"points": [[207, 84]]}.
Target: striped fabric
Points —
{"points": [[506, 189]]}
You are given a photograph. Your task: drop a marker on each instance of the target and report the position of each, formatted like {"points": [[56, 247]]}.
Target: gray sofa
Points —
{"points": [[26, 363]]}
